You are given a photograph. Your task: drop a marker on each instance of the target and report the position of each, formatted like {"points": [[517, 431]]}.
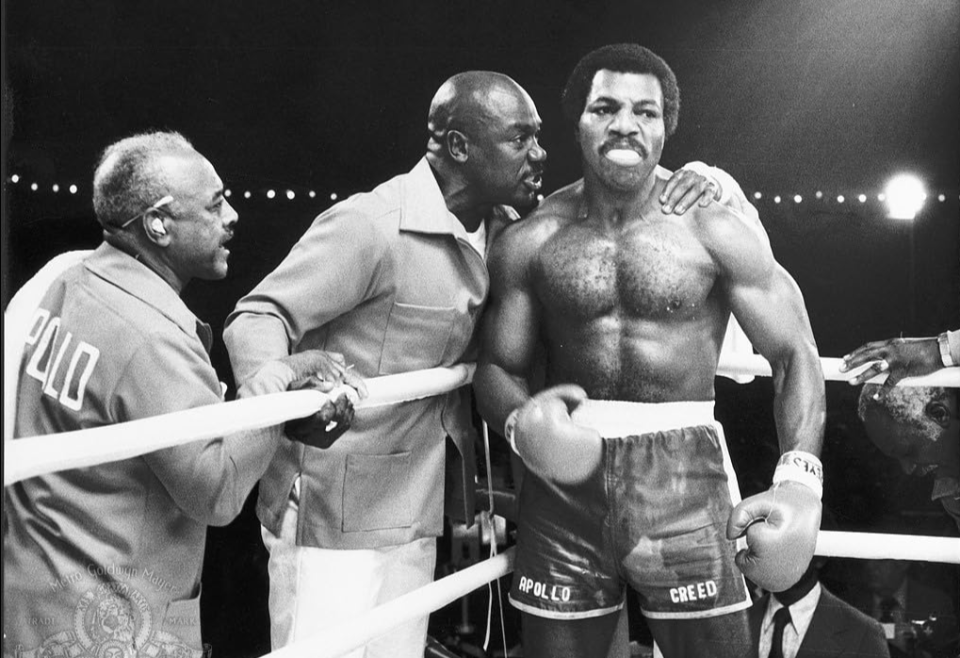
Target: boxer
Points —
{"points": [[629, 482]]}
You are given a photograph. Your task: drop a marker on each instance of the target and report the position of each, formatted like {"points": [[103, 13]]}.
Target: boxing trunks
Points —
{"points": [[652, 516]]}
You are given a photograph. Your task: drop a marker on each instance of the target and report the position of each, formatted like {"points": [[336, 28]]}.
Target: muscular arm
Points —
{"points": [[509, 329], [768, 304], [731, 195]]}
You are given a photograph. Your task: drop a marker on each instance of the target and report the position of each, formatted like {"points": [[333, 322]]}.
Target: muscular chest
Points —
{"points": [[642, 272]]}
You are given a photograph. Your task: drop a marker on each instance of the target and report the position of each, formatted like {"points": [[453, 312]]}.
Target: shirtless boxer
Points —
{"points": [[630, 305]]}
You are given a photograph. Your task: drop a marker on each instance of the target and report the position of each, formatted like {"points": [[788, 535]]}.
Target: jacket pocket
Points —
{"points": [[180, 626], [376, 492], [416, 337]]}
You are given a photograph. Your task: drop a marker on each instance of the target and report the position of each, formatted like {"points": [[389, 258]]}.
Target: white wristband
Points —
{"points": [[802, 467], [510, 429], [943, 340]]}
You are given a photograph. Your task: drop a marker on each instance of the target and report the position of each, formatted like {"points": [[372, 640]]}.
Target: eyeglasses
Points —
{"points": [[159, 204]]}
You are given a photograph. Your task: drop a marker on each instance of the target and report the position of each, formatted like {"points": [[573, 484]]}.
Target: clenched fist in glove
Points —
{"points": [[780, 524], [549, 442]]}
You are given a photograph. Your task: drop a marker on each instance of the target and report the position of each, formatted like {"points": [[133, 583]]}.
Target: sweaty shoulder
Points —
{"points": [[518, 245], [732, 239], [557, 210]]}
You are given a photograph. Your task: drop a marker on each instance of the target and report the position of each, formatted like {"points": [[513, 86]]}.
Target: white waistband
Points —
{"points": [[613, 418]]}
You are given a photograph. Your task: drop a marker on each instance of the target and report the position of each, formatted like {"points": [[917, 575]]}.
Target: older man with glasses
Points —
{"points": [[111, 341]]}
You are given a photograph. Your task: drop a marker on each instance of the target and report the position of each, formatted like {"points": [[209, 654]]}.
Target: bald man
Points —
{"points": [[395, 280]]}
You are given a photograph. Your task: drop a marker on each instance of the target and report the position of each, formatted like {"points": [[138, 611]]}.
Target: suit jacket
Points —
{"points": [[837, 629], [921, 601]]}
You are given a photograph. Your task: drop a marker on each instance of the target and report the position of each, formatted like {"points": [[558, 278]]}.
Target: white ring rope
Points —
{"points": [[345, 636], [874, 546], [733, 365], [32, 456], [39, 455], [45, 454]]}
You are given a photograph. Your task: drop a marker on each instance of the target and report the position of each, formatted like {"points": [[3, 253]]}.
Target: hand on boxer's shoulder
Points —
{"points": [[781, 527], [332, 420], [686, 188], [548, 440]]}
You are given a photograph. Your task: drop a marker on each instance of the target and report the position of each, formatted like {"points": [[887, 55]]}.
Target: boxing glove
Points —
{"points": [[781, 526], [548, 441]]}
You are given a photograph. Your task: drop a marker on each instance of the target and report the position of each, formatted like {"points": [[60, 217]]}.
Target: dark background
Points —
{"points": [[790, 97]]}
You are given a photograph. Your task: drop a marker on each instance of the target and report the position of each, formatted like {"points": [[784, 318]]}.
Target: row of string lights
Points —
{"points": [[904, 195], [71, 188]]}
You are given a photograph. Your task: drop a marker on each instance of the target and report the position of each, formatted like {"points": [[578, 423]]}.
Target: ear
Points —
{"points": [[155, 228], [939, 413], [458, 146]]}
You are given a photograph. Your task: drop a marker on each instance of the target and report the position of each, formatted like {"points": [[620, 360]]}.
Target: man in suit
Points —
{"points": [[892, 594], [808, 621]]}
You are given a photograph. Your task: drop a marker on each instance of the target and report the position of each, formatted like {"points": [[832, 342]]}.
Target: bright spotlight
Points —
{"points": [[905, 196]]}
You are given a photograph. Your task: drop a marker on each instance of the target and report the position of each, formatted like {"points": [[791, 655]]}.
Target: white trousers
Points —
{"points": [[312, 588]]}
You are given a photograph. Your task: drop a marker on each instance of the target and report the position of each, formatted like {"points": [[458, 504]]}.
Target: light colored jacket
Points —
{"points": [[388, 279]]}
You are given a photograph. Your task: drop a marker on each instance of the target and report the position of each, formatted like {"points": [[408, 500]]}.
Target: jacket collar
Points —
{"points": [[136, 279], [423, 209]]}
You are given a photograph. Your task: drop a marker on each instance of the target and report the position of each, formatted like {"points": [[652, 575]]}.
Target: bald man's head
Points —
{"points": [[483, 146], [467, 102]]}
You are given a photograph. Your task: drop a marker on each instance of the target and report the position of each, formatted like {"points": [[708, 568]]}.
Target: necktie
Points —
{"points": [[206, 335], [780, 619]]}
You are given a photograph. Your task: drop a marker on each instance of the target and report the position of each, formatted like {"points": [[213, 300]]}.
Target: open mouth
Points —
{"points": [[623, 156], [534, 182]]}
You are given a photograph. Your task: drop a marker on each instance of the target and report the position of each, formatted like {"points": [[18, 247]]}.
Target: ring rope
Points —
{"points": [[732, 365], [342, 637], [876, 546], [32, 456], [39, 455]]}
